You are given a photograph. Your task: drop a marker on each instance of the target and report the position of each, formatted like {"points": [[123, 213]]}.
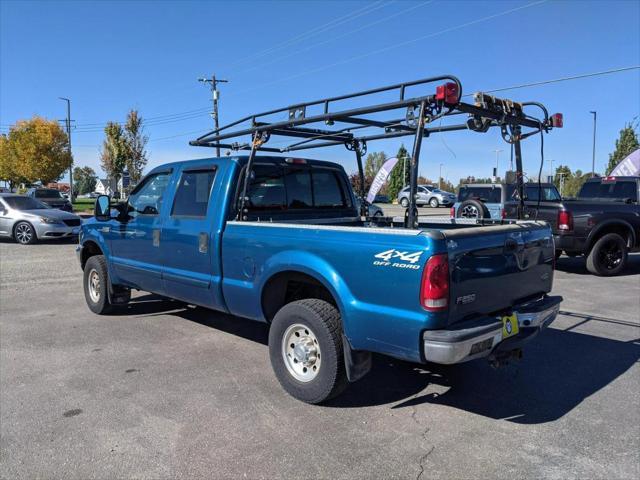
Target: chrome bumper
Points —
{"points": [[478, 338]]}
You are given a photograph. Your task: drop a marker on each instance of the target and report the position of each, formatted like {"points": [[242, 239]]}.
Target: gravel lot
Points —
{"points": [[166, 391]]}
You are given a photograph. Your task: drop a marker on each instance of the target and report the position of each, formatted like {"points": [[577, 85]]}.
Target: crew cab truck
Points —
{"points": [[333, 288], [602, 223]]}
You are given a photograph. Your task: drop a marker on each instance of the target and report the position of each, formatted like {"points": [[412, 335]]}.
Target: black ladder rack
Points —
{"points": [[414, 116]]}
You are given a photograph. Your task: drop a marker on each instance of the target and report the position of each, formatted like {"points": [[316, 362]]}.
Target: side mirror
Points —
{"points": [[102, 210]]}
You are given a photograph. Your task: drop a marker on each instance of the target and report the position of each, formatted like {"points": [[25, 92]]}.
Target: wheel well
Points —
{"points": [[287, 287], [89, 249], [620, 228]]}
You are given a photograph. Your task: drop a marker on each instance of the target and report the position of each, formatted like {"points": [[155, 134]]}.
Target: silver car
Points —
{"points": [[28, 220], [427, 195]]}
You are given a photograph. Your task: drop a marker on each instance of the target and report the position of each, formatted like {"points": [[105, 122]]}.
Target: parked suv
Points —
{"points": [[427, 195], [497, 201], [51, 197]]}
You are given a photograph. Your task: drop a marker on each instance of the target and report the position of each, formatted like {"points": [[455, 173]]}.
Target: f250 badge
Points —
{"points": [[398, 259]]}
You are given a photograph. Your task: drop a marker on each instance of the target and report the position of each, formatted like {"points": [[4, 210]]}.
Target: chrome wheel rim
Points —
{"points": [[93, 285], [301, 352], [24, 233], [469, 211], [434, 203]]}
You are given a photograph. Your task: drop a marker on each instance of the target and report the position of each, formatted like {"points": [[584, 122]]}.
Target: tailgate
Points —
{"points": [[548, 211], [495, 267]]}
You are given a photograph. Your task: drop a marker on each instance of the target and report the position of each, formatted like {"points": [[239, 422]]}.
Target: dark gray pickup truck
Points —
{"points": [[601, 223]]}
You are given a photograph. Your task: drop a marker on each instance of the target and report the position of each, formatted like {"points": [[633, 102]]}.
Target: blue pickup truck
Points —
{"points": [[333, 288], [281, 239]]}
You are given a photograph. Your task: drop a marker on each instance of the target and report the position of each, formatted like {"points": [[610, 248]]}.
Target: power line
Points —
{"points": [[562, 79], [314, 31], [334, 38], [407, 42]]}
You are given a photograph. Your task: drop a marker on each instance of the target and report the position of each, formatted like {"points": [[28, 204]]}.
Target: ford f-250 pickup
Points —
{"points": [[280, 240]]}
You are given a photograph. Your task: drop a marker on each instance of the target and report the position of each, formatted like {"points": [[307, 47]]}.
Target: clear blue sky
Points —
{"points": [[109, 57]]}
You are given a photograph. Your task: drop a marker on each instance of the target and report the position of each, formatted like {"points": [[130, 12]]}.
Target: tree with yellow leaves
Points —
{"points": [[35, 150]]}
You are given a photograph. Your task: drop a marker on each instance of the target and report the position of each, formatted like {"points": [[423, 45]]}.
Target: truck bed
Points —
{"points": [[493, 265]]}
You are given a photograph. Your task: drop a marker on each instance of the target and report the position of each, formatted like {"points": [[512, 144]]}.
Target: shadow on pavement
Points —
{"points": [[559, 370], [578, 265]]}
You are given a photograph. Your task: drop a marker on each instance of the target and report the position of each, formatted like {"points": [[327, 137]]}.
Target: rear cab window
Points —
{"points": [[617, 190], [281, 189]]}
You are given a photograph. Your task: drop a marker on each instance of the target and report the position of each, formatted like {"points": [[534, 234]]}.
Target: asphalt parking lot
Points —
{"points": [[163, 390]]}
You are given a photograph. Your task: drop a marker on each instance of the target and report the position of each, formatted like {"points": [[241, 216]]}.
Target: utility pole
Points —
{"points": [[593, 155], [440, 177], [213, 82], [68, 124], [553, 175]]}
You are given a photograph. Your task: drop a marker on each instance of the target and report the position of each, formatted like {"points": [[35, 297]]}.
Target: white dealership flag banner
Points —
{"points": [[629, 166], [380, 178]]}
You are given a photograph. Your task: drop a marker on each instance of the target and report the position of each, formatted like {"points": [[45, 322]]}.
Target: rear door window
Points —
{"points": [[192, 196]]}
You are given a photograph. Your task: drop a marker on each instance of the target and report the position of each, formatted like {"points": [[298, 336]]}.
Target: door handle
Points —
{"points": [[156, 238], [203, 242]]}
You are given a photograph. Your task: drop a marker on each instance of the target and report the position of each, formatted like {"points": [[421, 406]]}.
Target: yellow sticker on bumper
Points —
{"points": [[510, 326]]}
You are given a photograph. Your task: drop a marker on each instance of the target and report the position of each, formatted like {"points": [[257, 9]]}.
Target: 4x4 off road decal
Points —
{"points": [[398, 259]]}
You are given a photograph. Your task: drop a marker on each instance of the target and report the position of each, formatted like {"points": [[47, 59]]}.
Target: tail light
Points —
{"points": [[565, 221], [434, 291], [447, 93], [452, 212]]}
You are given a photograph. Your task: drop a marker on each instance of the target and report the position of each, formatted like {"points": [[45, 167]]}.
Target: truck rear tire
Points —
{"points": [[306, 352], [96, 283], [608, 256]]}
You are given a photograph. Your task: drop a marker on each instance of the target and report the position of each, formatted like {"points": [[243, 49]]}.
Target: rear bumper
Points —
{"points": [[479, 337], [569, 243]]}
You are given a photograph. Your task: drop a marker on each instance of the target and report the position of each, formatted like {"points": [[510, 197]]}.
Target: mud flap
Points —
{"points": [[357, 363]]}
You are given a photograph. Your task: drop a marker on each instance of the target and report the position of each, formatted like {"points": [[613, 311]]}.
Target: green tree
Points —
{"points": [[114, 154], [625, 144], [400, 174], [560, 177], [573, 182], [34, 150], [372, 164], [135, 142], [85, 179], [447, 186]]}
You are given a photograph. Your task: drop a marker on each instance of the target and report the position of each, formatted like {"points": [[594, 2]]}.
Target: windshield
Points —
{"points": [[23, 203], [47, 193], [549, 194], [621, 190]]}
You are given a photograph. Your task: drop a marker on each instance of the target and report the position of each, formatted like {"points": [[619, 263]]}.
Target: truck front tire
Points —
{"points": [[306, 352], [608, 256], [96, 283]]}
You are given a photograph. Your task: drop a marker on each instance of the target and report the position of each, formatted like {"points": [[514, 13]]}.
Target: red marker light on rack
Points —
{"points": [[556, 120], [448, 93]]}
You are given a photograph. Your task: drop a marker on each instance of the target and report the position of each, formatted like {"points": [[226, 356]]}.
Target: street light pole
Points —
{"points": [[213, 81], [593, 155], [68, 125], [440, 177]]}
